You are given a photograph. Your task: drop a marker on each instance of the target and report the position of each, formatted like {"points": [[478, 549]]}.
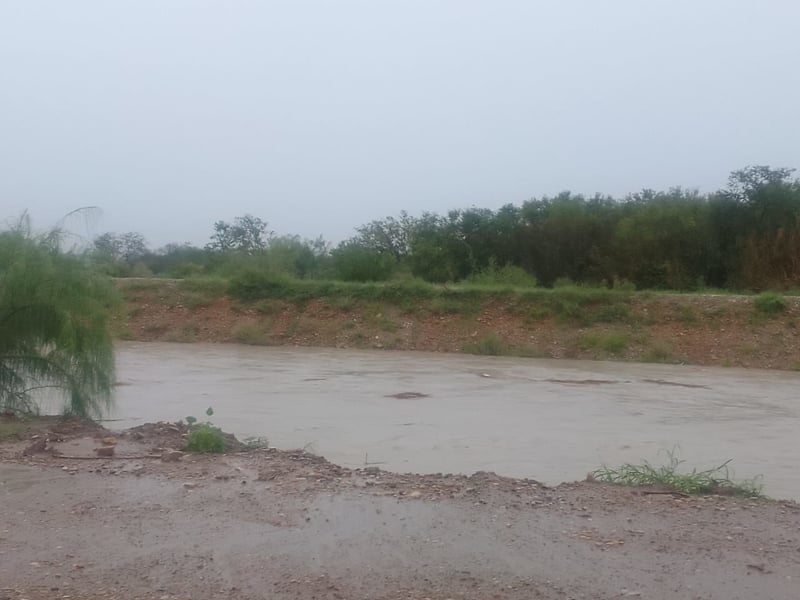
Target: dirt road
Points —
{"points": [[278, 525]]}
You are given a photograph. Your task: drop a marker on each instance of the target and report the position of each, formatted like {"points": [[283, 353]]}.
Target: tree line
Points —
{"points": [[745, 236]]}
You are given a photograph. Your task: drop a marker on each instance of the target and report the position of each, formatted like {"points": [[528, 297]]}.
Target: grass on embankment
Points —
{"points": [[569, 302], [564, 322], [716, 480]]}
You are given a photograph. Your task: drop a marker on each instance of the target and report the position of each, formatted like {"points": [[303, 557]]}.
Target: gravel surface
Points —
{"points": [[150, 522]]}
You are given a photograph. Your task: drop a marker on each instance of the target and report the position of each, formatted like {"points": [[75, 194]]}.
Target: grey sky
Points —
{"points": [[320, 116]]}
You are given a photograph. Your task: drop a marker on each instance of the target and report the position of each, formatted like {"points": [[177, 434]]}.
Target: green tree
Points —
{"points": [[389, 235], [757, 229], [54, 326], [122, 255], [246, 235], [129, 247]]}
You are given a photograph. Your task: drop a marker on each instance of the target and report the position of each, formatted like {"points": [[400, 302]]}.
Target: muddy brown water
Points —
{"points": [[548, 420]]}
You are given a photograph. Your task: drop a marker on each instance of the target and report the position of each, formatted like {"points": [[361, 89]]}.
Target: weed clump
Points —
{"points": [[716, 480], [204, 437], [770, 303]]}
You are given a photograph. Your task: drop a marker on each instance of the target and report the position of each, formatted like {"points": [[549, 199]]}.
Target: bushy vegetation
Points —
{"points": [[743, 237], [770, 303], [204, 437], [54, 325]]}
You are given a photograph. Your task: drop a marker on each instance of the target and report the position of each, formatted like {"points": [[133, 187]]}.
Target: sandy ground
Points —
{"points": [[270, 524]]}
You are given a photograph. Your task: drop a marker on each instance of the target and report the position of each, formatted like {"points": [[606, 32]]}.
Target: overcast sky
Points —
{"points": [[320, 116]]}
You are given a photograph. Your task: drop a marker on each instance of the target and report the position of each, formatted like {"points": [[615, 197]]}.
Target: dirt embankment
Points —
{"points": [[692, 329], [263, 523]]}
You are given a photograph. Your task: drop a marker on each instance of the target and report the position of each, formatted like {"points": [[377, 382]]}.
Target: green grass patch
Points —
{"points": [[508, 275], [611, 343], [568, 301], [769, 303], [716, 480], [208, 286]]}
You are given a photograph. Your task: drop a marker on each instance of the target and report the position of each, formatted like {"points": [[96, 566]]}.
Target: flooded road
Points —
{"points": [[408, 411]]}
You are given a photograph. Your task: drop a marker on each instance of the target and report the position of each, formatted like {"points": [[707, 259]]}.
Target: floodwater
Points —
{"points": [[550, 420]]}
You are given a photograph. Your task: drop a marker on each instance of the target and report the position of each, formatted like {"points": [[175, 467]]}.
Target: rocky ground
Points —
{"points": [[152, 522]]}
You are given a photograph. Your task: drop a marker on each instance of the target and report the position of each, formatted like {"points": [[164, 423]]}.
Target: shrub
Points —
{"points": [[55, 312], [205, 438], [770, 303]]}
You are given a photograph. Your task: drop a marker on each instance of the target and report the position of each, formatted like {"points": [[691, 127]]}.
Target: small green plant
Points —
{"points": [[716, 480], [769, 303], [205, 437]]}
